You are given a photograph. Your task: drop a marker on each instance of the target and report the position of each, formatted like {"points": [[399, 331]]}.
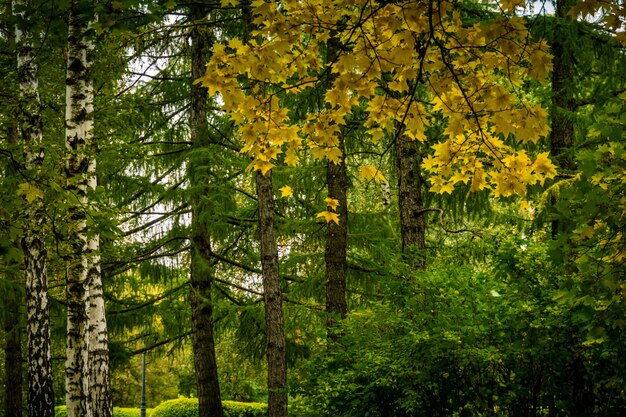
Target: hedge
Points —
{"points": [[188, 407], [61, 411]]}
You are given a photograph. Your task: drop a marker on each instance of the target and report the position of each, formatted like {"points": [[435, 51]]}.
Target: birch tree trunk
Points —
{"points": [[40, 389], [203, 343], [87, 362], [274, 325]]}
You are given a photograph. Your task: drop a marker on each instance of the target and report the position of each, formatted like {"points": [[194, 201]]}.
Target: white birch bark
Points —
{"points": [[40, 389], [87, 365]]}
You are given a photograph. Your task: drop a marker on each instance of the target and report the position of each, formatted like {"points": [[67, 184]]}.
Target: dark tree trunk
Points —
{"points": [[410, 202], [336, 244], [274, 330], [40, 386], [203, 343], [336, 240], [273, 300], [205, 363], [562, 133]]}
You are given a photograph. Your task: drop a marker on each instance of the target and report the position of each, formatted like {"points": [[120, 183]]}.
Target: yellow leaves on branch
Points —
{"points": [[513, 172], [330, 216], [405, 64], [371, 173]]}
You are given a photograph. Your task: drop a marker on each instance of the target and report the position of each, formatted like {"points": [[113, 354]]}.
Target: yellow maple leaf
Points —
{"points": [[258, 165], [543, 165], [29, 191], [286, 191], [369, 172], [331, 203], [328, 216]]}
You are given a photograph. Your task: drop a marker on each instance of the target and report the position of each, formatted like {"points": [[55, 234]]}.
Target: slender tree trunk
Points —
{"points": [[336, 244], [410, 202], [99, 372], [272, 294], [87, 364], [40, 388], [337, 237], [203, 343], [562, 133], [274, 326], [205, 362]]}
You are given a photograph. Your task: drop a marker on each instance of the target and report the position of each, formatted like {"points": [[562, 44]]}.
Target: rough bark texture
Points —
{"points": [[562, 133], [99, 372], [336, 244], [40, 388], [410, 202], [87, 363], [203, 343], [274, 331], [276, 360], [205, 363], [336, 239]]}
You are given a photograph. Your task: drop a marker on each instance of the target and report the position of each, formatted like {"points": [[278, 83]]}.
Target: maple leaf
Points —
{"points": [[369, 172], [446, 188], [286, 191], [328, 216], [29, 191], [331, 203], [544, 166], [259, 165]]}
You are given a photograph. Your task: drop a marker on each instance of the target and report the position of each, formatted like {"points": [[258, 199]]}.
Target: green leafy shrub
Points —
{"points": [[61, 411], [188, 407]]}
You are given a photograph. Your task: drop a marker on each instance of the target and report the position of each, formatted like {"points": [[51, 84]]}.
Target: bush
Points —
{"points": [[61, 411], [188, 407]]}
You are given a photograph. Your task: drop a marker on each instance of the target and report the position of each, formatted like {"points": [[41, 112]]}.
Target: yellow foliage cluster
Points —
{"points": [[413, 63]]}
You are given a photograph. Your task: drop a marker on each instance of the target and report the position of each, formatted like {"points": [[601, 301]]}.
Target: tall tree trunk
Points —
{"points": [[203, 343], [581, 395], [40, 389], [336, 244], [205, 362], [87, 364], [272, 294], [99, 372], [274, 326], [410, 202], [337, 237], [562, 133]]}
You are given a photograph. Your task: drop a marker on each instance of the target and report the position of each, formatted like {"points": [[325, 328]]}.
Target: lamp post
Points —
{"points": [[142, 407]]}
